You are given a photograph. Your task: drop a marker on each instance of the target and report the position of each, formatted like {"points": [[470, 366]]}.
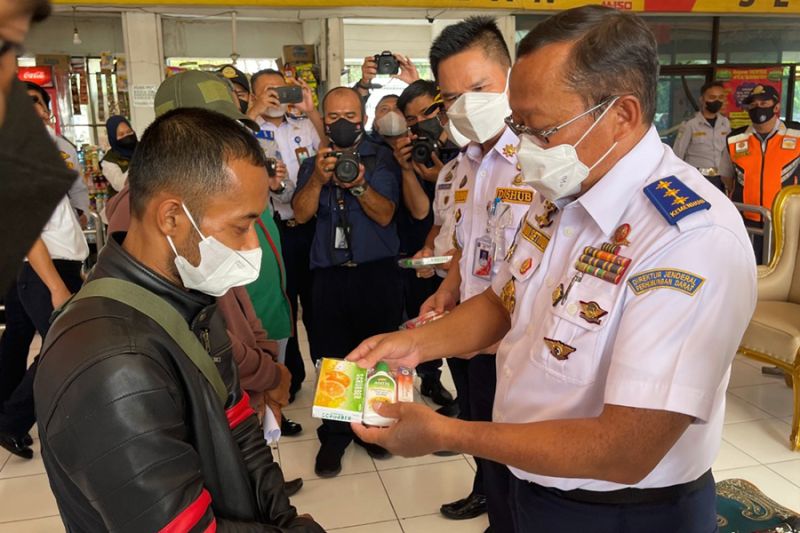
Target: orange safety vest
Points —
{"points": [[763, 168]]}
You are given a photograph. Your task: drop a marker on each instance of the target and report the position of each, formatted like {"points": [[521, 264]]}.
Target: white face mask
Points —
{"points": [[391, 124], [277, 112], [557, 172], [480, 116], [454, 135], [220, 268]]}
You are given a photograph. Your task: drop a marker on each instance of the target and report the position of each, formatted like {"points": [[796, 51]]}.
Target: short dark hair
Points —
{"points": [[346, 89], [614, 53], [264, 72], [39, 9], [481, 32], [31, 86], [186, 151], [386, 97], [414, 91], [711, 84]]}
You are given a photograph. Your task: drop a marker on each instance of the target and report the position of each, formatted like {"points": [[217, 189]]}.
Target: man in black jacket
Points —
{"points": [[133, 436]]}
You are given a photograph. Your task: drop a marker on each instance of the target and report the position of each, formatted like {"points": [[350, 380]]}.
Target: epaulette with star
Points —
{"points": [[674, 200]]}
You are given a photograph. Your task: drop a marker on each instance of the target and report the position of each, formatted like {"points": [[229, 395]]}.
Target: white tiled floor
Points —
{"points": [[403, 495]]}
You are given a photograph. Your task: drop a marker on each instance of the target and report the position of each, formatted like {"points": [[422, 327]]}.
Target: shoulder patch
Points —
{"points": [[665, 278], [674, 200], [737, 137]]}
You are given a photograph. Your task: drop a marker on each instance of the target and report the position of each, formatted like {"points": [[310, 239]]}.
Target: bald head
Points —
{"points": [[343, 102]]}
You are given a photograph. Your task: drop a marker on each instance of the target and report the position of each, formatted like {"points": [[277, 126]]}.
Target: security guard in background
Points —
{"points": [[290, 141], [471, 63], [765, 155], [703, 140], [611, 386]]}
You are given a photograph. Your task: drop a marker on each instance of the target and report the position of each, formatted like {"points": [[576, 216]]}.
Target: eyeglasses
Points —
{"points": [[7, 46], [544, 135]]}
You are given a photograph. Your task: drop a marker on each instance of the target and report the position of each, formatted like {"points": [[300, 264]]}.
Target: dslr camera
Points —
{"points": [[387, 63], [348, 166], [422, 150]]}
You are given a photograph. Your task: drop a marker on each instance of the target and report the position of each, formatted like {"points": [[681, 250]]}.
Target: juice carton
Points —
{"points": [[381, 389], [340, 391]]}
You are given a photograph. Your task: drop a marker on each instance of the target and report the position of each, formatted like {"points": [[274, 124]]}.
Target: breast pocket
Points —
{"points": [[578, 328]]}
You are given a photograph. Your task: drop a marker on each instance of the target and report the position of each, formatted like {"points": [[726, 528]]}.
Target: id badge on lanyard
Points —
{"points": [[491, 245], [341, 232]]}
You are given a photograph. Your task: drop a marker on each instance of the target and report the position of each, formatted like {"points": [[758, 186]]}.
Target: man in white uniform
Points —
{"points": [[471, 64], [611, 386]]}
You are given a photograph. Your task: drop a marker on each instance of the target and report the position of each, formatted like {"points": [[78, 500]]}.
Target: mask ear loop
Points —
{"points": [[596, 122], [191, 219]]}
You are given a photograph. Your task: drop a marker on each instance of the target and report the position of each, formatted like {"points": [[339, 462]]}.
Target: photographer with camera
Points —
{"points": [[386, 63], [353, 192], [289, 141]]}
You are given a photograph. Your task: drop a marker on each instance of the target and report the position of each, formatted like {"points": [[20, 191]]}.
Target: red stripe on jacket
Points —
{"points": [[239, 412], [189, 517]]}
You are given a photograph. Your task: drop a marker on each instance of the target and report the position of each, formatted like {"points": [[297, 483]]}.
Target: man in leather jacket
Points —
{"points": [[134, 438]]}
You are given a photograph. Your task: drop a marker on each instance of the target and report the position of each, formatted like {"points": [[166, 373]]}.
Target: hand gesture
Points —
{"points": [[417, 432], [408, 72], [396, 349], [369, 69], [430, 174], [307, 105], [402, 153], [427, 272], [323, 166]]}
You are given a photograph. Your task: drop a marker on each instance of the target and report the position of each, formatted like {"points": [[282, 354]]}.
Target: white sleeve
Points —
{"points": [[114, 175], [685, 312]]}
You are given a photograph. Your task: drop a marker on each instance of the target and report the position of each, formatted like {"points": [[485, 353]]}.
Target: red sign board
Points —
{"points": [[39, 75]]}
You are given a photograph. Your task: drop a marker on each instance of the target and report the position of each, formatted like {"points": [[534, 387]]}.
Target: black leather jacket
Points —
{"points": [[133, 436]]}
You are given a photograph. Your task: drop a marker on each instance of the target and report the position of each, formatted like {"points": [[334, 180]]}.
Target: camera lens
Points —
{"points": [[421, 150], [346, 169]]}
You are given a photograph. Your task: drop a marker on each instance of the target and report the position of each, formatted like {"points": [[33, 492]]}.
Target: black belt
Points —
{"points": [[633, 496]]}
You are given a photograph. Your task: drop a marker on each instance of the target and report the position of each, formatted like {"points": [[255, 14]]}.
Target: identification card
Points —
{"points": [[340, 238], [483, 262], [302, 154]]}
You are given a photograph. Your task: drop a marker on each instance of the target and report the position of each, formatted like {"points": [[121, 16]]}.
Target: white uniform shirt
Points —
{"points": [[478, 181], [443, 209], [672, 323], [705, 146], [291, 142], [79, 193], [62, 235]]}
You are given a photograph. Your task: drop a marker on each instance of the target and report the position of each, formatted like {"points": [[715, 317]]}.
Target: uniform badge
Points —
{"points": [[458, 215], [514, 196], [229, 72], [742, 147], [558, 349], [545, 220], [558, 294], [508, 296], [535, 237], [591, 312], [446, 200], [602, 263], [518, 180], [526, 266], [620, 237], [789, 143], [666, 278], [674, 200], [461, 196], [449, 177], [509, 150], [463, 182]]}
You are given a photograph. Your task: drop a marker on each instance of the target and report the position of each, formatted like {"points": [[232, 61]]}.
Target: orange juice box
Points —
{"points": [[340, 391]]}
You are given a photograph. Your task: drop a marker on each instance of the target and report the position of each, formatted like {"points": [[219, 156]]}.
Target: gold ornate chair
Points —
{"points": [[773, 336]]}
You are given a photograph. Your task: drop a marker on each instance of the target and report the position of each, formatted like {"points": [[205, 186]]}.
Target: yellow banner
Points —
{"points": [[642, 6]]}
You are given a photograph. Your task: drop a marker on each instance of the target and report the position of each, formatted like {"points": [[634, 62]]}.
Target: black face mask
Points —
{"points": [[128, 142], [344, 133], [243, 105], [430, 128], [713, 107], [760, 115]]}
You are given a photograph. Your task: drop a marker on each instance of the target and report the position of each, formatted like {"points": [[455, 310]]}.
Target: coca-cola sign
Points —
{"points": [[39, 75]]}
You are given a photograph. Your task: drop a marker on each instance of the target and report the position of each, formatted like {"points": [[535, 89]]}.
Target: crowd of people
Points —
{"points": [[241, 212]]}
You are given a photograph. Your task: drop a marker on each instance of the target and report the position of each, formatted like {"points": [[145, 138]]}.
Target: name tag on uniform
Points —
{"points": [[267, 135], [461, 196], [444, 186], [514, 196], [699, 134], [535, 237], [789, 143]]}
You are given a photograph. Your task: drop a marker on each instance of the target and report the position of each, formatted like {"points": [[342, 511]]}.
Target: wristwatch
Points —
{"points": [[279, 191], [359, 190]]}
